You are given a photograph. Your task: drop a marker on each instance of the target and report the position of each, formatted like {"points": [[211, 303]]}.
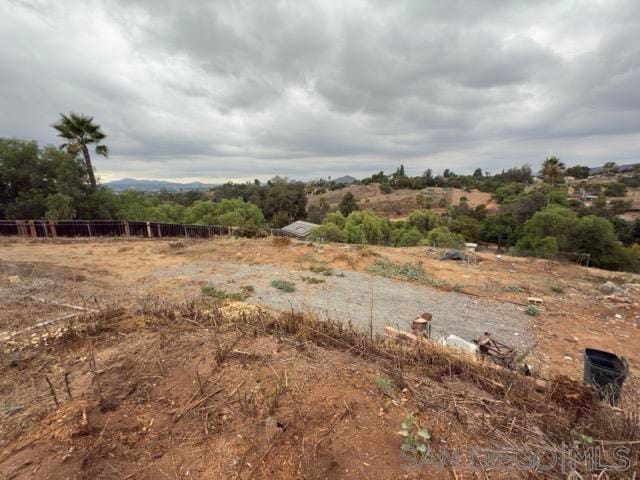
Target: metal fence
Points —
{"points": [[107, 228]]}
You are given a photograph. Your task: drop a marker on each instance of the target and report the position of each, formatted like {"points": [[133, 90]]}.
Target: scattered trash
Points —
{"points": [[606, 372], [470, 247], [461, 343], [498, 352], [13, 279], [617, 316], [453, 254], [421, 326]]}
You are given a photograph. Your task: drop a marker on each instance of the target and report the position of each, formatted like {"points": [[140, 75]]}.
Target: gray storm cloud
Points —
{"points": [[237, 90]]}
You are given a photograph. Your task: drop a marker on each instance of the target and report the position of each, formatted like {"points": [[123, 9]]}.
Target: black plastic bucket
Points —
{"points": [[606, 372]]}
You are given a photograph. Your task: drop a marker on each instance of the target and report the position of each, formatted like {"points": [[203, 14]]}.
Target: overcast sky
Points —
{"points": [[221, 90]]}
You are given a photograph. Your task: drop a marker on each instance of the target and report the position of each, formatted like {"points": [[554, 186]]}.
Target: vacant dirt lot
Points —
{"points": [[115, 365]]}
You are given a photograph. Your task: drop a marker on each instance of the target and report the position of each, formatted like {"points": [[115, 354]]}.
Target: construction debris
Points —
{"points": [[421, 326], [457, 255], [498, 352], [14, 279], [461, 344], [535, 301]]}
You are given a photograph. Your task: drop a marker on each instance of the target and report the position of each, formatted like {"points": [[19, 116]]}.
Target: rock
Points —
{"points": [[618, 316], [14, 279], [609, 287]]}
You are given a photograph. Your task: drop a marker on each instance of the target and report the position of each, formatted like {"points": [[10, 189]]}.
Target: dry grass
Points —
{"points": [[189, 366]]}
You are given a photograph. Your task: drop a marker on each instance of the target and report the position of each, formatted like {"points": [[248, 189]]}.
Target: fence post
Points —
{"points": [[89, 229], [127, 232], [32, 229], [52, 227], [149, 229], [159, 231]]}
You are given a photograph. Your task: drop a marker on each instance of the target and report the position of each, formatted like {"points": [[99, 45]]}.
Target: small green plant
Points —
{"points": [[458, 287], [284, 286], [311, 280], [384, 384], [414, 438], [532, 310], [512, 289], [413, 273], [322, 269], [221, 295], [557, 289]]}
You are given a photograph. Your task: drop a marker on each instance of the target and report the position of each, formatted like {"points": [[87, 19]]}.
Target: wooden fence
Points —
{"points": [[107, 228]]}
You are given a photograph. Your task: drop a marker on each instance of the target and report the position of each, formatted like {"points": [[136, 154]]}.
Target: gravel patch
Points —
{"points": [[348, 295]]}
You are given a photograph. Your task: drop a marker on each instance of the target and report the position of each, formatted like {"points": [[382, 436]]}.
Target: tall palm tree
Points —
{"points": [[80, 131], [552, 168]]}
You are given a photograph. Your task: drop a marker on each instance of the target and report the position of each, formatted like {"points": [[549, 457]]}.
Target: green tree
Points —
{"points": [[596, 236], [329, 232], [615, 189], [443, 237], [410, 238], [578, 171], [424, 220], [79, 131], [554, 221], [59, 207], [348, 204], [552, 169]]}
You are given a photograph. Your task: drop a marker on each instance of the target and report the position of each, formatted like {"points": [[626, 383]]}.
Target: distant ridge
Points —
{"points": [[154, 185], [345, 179]]}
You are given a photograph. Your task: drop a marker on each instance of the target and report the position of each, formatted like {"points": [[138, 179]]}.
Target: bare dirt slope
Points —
{"points": [[399, 203], [208, 392]]}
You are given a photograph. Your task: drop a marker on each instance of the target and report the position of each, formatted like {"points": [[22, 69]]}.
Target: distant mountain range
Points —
{"points": [[154, 185]]}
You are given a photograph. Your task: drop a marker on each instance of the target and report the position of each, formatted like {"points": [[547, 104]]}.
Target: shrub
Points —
{"points": [[322, 269], [443, 237], [532, 310], [424, 220], [335, 218], [353, 233], [311, 280], [329, 232], [221, 295], [615, 189], [410, 238], [284, 286]]}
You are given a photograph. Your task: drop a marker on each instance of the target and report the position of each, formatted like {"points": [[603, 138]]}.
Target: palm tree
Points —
{"points": [[80, 131], [552, 168]]}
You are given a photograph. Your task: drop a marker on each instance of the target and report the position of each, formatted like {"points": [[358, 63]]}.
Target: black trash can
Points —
{"points": [[606, 372]]}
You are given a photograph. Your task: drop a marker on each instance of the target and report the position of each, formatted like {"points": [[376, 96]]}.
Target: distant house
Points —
{"points": [[299, 229]]}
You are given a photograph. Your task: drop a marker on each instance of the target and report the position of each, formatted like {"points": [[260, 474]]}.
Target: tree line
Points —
{"points": [[538, 220]]}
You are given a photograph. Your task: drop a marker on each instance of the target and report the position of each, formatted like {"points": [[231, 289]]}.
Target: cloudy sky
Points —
{"points": [[237, 90]]}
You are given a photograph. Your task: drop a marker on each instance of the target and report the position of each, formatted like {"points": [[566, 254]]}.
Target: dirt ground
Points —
{"points": [[575, 314], [216, 393]]}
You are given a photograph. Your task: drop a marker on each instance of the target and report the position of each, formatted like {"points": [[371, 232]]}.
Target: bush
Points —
{"points": [[284, 286], [329, 232], [336, 218], [424, 220], [410, 238], [615, 189], [443, 237]]}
